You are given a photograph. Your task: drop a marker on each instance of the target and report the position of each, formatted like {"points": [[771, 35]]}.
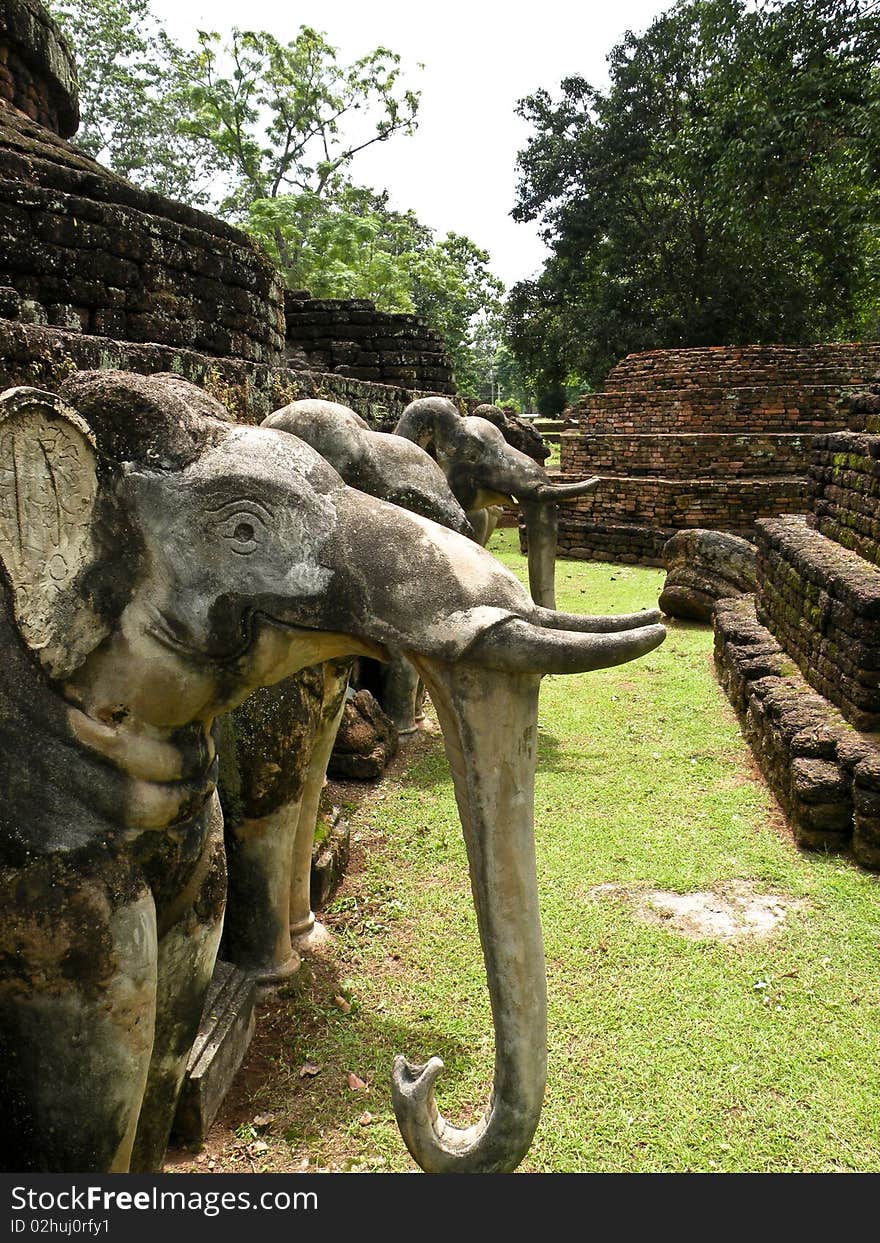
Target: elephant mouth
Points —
{"points": [[253, 625], [329, 644]]}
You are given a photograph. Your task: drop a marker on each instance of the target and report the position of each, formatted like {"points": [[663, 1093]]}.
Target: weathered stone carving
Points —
{"points": [[483, 470], [365, 742], [225, 558], [47, 495], [516, 431], [395, 469], [702, 567], [272, 766]]}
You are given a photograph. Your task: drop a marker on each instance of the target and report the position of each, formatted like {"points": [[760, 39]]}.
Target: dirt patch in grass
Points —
{"points": [[730, 912]]}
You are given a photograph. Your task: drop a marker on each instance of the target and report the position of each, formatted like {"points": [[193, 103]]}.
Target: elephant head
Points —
{"points": [[379, 463], [482, 469], [191, 560]]}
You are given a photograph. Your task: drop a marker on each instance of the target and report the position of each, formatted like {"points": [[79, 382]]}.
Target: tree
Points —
{"points": [[352, 244], [282, 117], [724, 189], [133, 96]]}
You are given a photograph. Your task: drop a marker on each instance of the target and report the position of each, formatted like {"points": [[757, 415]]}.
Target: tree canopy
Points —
{"points": [[725, 188], [134, 96], [352, 244]]}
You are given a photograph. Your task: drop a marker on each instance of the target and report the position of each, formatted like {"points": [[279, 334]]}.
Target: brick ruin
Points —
{"points": [[800, 660], [349, 337], [712, 438], [37, 71], [95, 272]]}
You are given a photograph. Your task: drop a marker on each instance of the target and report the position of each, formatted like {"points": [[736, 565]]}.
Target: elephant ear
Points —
{"points": [[48, 488]]}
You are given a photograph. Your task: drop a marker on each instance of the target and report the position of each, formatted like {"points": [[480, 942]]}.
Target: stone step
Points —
{"points": [[825, 774], [822, 603]]}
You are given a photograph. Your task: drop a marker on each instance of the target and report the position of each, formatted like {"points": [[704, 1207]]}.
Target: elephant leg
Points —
{"points": [[189, 937], [303, 926], [258, 940], [77, 1016]]}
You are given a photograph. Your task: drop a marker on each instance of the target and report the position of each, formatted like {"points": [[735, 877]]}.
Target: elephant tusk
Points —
{"points": [[517, 646], [597, 624], [489, 728], [566, 491]]}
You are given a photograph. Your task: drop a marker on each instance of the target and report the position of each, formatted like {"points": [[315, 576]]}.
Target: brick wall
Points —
{"points": [[43, 357], [845, 491], [800, 661], [719, 504], [706, 454], [748, 410], [822, 603], [350, 337], [749, 365], [88, 251], [37, 71], [822, 771]]}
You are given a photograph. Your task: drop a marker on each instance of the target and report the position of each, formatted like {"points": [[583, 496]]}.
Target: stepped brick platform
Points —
{"points": [[702, 438], [825, 774], [729, 366], [649, 511], [350, 337], [800, 660], [87, 251]]}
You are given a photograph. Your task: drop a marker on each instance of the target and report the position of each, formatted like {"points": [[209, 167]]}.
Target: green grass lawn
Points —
{"points": [[665, 1053]]}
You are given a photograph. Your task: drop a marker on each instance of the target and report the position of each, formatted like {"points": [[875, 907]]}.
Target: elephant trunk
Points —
{"points": [[489, 726], [542, 529]]}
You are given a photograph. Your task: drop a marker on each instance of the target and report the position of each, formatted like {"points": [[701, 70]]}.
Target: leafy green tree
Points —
{"points": [[351, 244], [288, 117], [511, 386], [133, 96], [723, 189], [271, 129]]}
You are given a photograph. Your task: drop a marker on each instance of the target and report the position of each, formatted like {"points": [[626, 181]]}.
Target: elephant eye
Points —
{"points": [[243, 526]]}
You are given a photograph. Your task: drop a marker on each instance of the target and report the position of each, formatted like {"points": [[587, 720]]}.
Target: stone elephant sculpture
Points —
{"points": [[158, 563], [269, 919], [395, 469], [484, 470]]}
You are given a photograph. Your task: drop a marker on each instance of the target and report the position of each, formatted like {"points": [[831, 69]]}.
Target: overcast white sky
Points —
{"points": [[458, 171]]}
